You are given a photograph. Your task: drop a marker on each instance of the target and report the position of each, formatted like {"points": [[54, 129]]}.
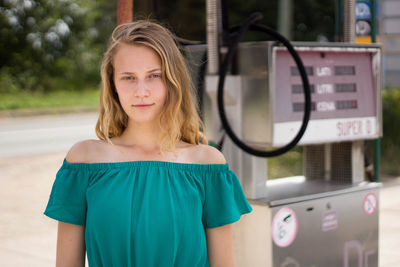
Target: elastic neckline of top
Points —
{"points": [[145, 164]]}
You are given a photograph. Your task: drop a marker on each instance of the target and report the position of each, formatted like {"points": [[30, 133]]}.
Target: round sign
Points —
{"points": [[284, 227], [363, 28], [363, 11], [370, 203]]}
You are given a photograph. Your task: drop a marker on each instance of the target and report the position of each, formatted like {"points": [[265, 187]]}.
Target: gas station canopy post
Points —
{"points": [[124, 11]]}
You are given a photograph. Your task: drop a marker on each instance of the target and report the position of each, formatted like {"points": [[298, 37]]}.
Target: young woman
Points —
{"points": [[147, 193]]}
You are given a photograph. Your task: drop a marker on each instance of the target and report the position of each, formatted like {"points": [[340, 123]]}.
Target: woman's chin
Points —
{"points": [[142, 120]]}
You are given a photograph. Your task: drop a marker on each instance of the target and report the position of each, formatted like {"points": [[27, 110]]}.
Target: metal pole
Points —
{"points": [[337, 20], [373, 20], [124, 11], [212, 36], [377, 142], [349, 23], [285, 18]]}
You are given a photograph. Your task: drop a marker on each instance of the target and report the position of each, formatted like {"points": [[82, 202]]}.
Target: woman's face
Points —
{"points": [[138, 81]]}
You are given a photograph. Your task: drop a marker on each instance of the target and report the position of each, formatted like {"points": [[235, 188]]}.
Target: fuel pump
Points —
{"points": [[322, 96]]}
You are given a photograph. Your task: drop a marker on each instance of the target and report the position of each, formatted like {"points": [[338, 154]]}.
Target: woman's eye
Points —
{"points": [[155, 75], [128, 78]]}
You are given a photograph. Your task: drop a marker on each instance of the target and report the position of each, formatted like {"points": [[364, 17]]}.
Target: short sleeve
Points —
{"points": [[67, 202], [224, 201]]}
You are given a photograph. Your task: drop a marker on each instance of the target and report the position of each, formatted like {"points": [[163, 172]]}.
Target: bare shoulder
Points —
{"points": [[82, 151], [205, 154]]}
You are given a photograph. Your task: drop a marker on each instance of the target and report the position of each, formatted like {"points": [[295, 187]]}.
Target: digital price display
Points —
{"points": [[344, 92]]}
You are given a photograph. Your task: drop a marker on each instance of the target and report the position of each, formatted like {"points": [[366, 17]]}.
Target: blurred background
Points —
{"points": [[50, 54]]}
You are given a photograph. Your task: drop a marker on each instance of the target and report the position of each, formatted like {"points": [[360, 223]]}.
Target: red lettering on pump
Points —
{"points": [[349, 128]]}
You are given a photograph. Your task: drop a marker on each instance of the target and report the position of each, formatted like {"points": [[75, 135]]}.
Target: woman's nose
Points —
{"points": [[141, 89]]}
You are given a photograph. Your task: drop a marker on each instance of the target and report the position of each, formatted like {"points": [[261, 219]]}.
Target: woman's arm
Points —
{"points": [[220, 246], [70, 245]]}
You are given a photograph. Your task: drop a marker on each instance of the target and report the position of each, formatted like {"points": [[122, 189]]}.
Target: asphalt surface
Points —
{"points": [[27, 172], [45, 134]]}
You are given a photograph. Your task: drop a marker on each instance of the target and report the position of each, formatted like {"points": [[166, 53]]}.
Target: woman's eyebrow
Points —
{"points": [[152, 70]]}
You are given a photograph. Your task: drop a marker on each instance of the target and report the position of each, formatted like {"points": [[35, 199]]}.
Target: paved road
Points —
{"points": [[44, 134], [31, 151]]}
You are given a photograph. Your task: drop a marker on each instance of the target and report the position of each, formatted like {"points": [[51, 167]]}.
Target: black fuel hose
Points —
{"points": [[249, 24]]}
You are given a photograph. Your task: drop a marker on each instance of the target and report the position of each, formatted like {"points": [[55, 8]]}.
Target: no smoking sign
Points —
{"points": [[370, 203], [284, 227]]}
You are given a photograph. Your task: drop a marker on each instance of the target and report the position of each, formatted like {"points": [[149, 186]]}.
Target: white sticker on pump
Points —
{"points": [[370, 203], [284, 227], [326, 130]]}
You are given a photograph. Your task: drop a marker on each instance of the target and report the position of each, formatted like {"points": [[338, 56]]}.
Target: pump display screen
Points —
{"points": [[343, 92]]}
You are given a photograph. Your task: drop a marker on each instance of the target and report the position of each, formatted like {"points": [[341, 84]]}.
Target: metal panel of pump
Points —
{"points": [[345, 87]]}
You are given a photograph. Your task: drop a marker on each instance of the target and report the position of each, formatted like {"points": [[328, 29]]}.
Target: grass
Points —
{"points": [[390, 163], [288, 164], [56, 99]]}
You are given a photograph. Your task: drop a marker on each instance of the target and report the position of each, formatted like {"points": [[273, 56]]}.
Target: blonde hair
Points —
{"points": [[179, 119]]}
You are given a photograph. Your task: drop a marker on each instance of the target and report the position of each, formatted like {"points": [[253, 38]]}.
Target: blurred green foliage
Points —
{"points": [[391, 113], [390, 144], [314, 20], [286, 165], [50, 45]]}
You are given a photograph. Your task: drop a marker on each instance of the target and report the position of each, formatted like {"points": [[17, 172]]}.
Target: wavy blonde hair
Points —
{"points": [[179, 119]]}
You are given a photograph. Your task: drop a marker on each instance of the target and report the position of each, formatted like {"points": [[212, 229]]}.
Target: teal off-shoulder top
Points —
{"points": [[146, 213]]}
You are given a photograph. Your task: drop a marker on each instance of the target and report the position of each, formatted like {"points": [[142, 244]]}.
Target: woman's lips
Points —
{"points": [[142, 105]]}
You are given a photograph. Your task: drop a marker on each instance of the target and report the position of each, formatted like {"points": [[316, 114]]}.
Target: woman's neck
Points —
{"points": [[141, 135]]}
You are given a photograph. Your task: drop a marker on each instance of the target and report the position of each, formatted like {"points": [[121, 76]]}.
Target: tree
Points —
{"points": [[44, 43]]}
